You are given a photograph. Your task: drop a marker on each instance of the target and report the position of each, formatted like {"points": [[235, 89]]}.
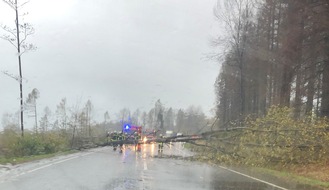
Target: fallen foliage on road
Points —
{"points": [[276, 141]]}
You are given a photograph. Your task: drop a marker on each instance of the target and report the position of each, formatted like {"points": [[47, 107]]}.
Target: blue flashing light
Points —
{"points": [[127, 127]]}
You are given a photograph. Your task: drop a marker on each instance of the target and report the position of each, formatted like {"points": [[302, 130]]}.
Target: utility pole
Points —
{"points": [[19, 68]]}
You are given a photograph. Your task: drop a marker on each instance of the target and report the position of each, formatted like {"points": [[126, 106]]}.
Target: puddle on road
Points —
{"points": [[218, 184], [214, 181], [123, 184], [176, 157]]}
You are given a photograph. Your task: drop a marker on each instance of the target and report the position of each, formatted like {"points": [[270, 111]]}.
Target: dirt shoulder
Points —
{"points": [[312, 176]]}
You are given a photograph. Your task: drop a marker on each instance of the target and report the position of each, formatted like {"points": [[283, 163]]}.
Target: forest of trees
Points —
{"points": [[277, 53], [74, 126]]}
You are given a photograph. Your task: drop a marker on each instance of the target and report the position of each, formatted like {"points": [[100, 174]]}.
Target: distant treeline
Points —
{"points": [[74, 127]]}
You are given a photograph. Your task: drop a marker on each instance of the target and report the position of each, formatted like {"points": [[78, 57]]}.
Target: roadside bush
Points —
{"points": [[276, 139], [8, 141], [29, 145], [53, 143], [13, 145]]}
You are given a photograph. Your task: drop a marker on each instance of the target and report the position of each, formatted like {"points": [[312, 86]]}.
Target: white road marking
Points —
{"points": [[145, 165], [58, 162], [52, 164], [248, 176]]}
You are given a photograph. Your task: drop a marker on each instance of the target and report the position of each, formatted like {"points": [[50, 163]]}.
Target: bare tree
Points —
{"points": [[151, 118], [10, 121], [169, 119], [106, 117], [159, 109], [62, 115], [44, 122], [17, 37], [144, 119], [31, 104], [124, 116], [237, 17], [89, 108], [135, 119]]}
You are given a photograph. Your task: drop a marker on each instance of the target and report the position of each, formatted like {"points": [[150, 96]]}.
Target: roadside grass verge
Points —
{"points": [[313, 175], [19, 160], [292, 176]]}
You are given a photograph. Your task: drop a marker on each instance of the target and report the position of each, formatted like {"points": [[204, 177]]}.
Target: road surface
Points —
{"points": [[105, 169]]}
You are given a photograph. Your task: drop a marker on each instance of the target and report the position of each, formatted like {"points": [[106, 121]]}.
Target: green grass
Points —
{"points": [[20, 160], [291, 176], [287, 175]]}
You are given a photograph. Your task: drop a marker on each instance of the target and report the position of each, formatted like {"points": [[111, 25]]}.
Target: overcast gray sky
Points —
{"points": [[117, 53]]}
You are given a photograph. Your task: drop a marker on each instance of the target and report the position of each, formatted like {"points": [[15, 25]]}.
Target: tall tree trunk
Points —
{"points": [[242, 88], [310, 89], [324, 110], [299, 67], [298, 95], [323, 19], [311, 80], [285, 87]]}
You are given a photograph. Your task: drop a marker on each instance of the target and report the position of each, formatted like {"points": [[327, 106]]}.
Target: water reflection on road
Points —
{"points": [[105, 169], [212, 177]]}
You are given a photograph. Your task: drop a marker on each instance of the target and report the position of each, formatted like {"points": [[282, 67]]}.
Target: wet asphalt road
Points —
{"points": [[105, 169]]}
